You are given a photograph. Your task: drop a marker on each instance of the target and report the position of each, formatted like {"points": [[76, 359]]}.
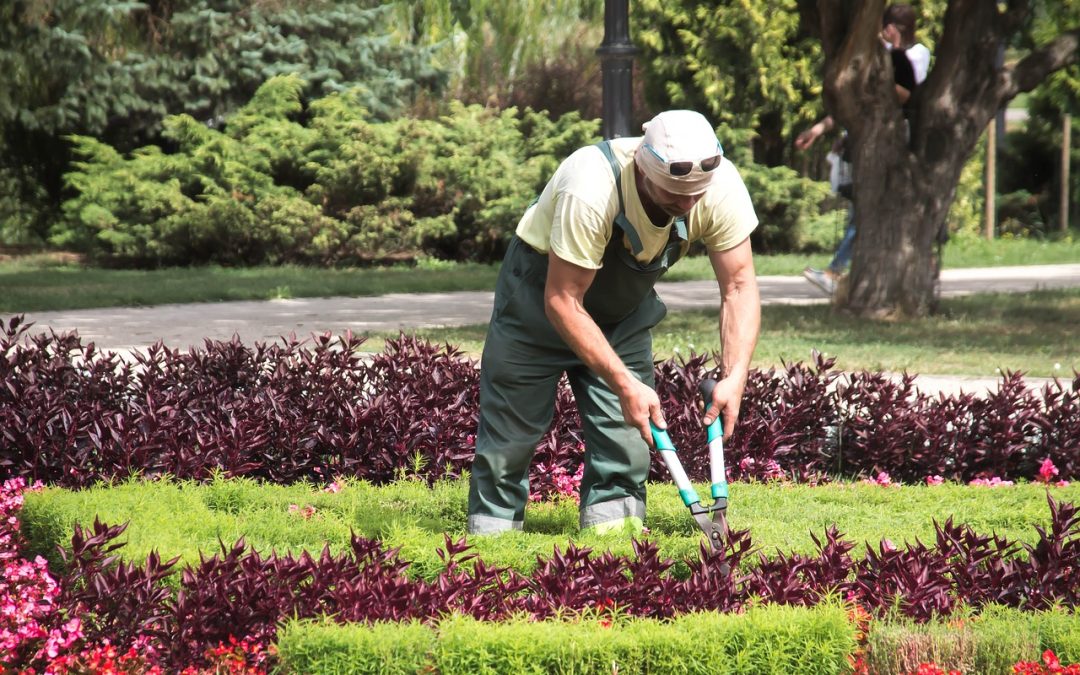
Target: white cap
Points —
{"points": [[678, 136]]}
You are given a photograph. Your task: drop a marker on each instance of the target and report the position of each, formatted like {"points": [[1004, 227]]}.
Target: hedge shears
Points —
{"points": [[711, 519]]}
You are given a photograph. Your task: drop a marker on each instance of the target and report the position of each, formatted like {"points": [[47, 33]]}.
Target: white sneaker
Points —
{"points": [[821, 279]]}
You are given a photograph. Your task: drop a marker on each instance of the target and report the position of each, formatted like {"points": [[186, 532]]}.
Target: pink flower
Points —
{"points": [[1047, 470], [934, 480], [992, 482], [773, 470], [569, 485], [883, 479], [306, 511], [332, 487]]}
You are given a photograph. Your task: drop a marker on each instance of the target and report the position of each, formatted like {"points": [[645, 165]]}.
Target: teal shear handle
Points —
{"points": [[671, 459], [711, 519], [718, 475]]}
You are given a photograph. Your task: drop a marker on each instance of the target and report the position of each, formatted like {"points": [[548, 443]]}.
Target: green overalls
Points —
{"points": [[523, 360]]}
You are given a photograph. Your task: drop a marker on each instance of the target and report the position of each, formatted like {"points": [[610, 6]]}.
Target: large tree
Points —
{"points": [[906, 181]]}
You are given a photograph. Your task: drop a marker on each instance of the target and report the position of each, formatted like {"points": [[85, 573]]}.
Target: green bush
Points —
{"points": [[322, 185], [115, 70], [327, 185], [769, 639], [967, 213], [990, 642], [325, 647], [787, 206], [1059, 631], [1019, 215], [748, 65], [23, 205]]}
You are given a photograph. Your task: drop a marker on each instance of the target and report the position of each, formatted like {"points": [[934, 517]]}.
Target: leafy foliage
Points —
{"points": [[95, 66], [785, 204], [748, 65], [1030, 173], [325, 184], [117, 69], [72, 416], [488, 45]]}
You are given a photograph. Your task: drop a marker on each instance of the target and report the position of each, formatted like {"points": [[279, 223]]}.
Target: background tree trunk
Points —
{"points": [[906, 173]]}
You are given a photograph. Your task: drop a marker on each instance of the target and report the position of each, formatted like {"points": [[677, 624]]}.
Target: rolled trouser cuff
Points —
{"points": [[612, 512], [491, 525]]}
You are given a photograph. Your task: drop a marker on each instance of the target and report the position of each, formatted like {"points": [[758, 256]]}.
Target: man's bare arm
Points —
{"points": [[740, 323], [564, 305]]}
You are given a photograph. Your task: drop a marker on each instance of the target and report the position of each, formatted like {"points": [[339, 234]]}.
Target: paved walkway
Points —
{"points": [[185, 325]]}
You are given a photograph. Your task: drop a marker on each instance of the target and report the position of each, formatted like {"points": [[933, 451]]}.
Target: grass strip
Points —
{"points": [[52, 282], [40, 287], [769, 639], [979, 335], [188, 519]]}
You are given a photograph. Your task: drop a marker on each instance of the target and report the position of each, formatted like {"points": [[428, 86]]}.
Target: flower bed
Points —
{"points": [[285, 412], [241, 592], [289, 412], [49, 625]]}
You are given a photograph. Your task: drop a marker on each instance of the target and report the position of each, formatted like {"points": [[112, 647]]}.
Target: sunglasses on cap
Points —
{"points": [[683, 167]]}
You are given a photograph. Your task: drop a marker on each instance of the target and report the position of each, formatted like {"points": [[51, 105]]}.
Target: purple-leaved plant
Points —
{"points": [[319, 408]]}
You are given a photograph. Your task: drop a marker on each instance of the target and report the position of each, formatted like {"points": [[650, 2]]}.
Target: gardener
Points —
{"points": [[575, 295]]}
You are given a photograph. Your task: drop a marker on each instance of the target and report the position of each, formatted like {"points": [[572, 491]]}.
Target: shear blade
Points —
{"points": [[714, 529]]}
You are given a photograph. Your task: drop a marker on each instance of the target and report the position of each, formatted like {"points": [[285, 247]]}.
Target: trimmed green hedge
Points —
{"points": [[991, 642], [769, 639]]}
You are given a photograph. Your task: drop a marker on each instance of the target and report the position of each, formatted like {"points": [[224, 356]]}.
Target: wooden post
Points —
{"points": [[991, 179], [1066, 146]]}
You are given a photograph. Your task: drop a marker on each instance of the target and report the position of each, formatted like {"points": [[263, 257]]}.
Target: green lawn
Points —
{"points": [[38, 285], [978, 335], [43, 283]]}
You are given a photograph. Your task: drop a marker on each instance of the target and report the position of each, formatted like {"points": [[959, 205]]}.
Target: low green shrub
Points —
{"points": [[1059, 631], [187, 518], [325, 184], [991, 641], [314, 647], [769, 639], [787, 206]]}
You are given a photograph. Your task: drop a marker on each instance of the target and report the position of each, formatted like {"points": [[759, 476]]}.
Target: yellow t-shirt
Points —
{"points": [[576, 211]]}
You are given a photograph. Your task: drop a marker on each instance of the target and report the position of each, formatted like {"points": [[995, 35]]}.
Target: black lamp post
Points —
{"points": [[617, 65]]}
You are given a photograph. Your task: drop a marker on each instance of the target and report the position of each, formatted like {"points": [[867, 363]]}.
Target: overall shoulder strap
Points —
{"points": [[621, 220], [680, 228]]}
